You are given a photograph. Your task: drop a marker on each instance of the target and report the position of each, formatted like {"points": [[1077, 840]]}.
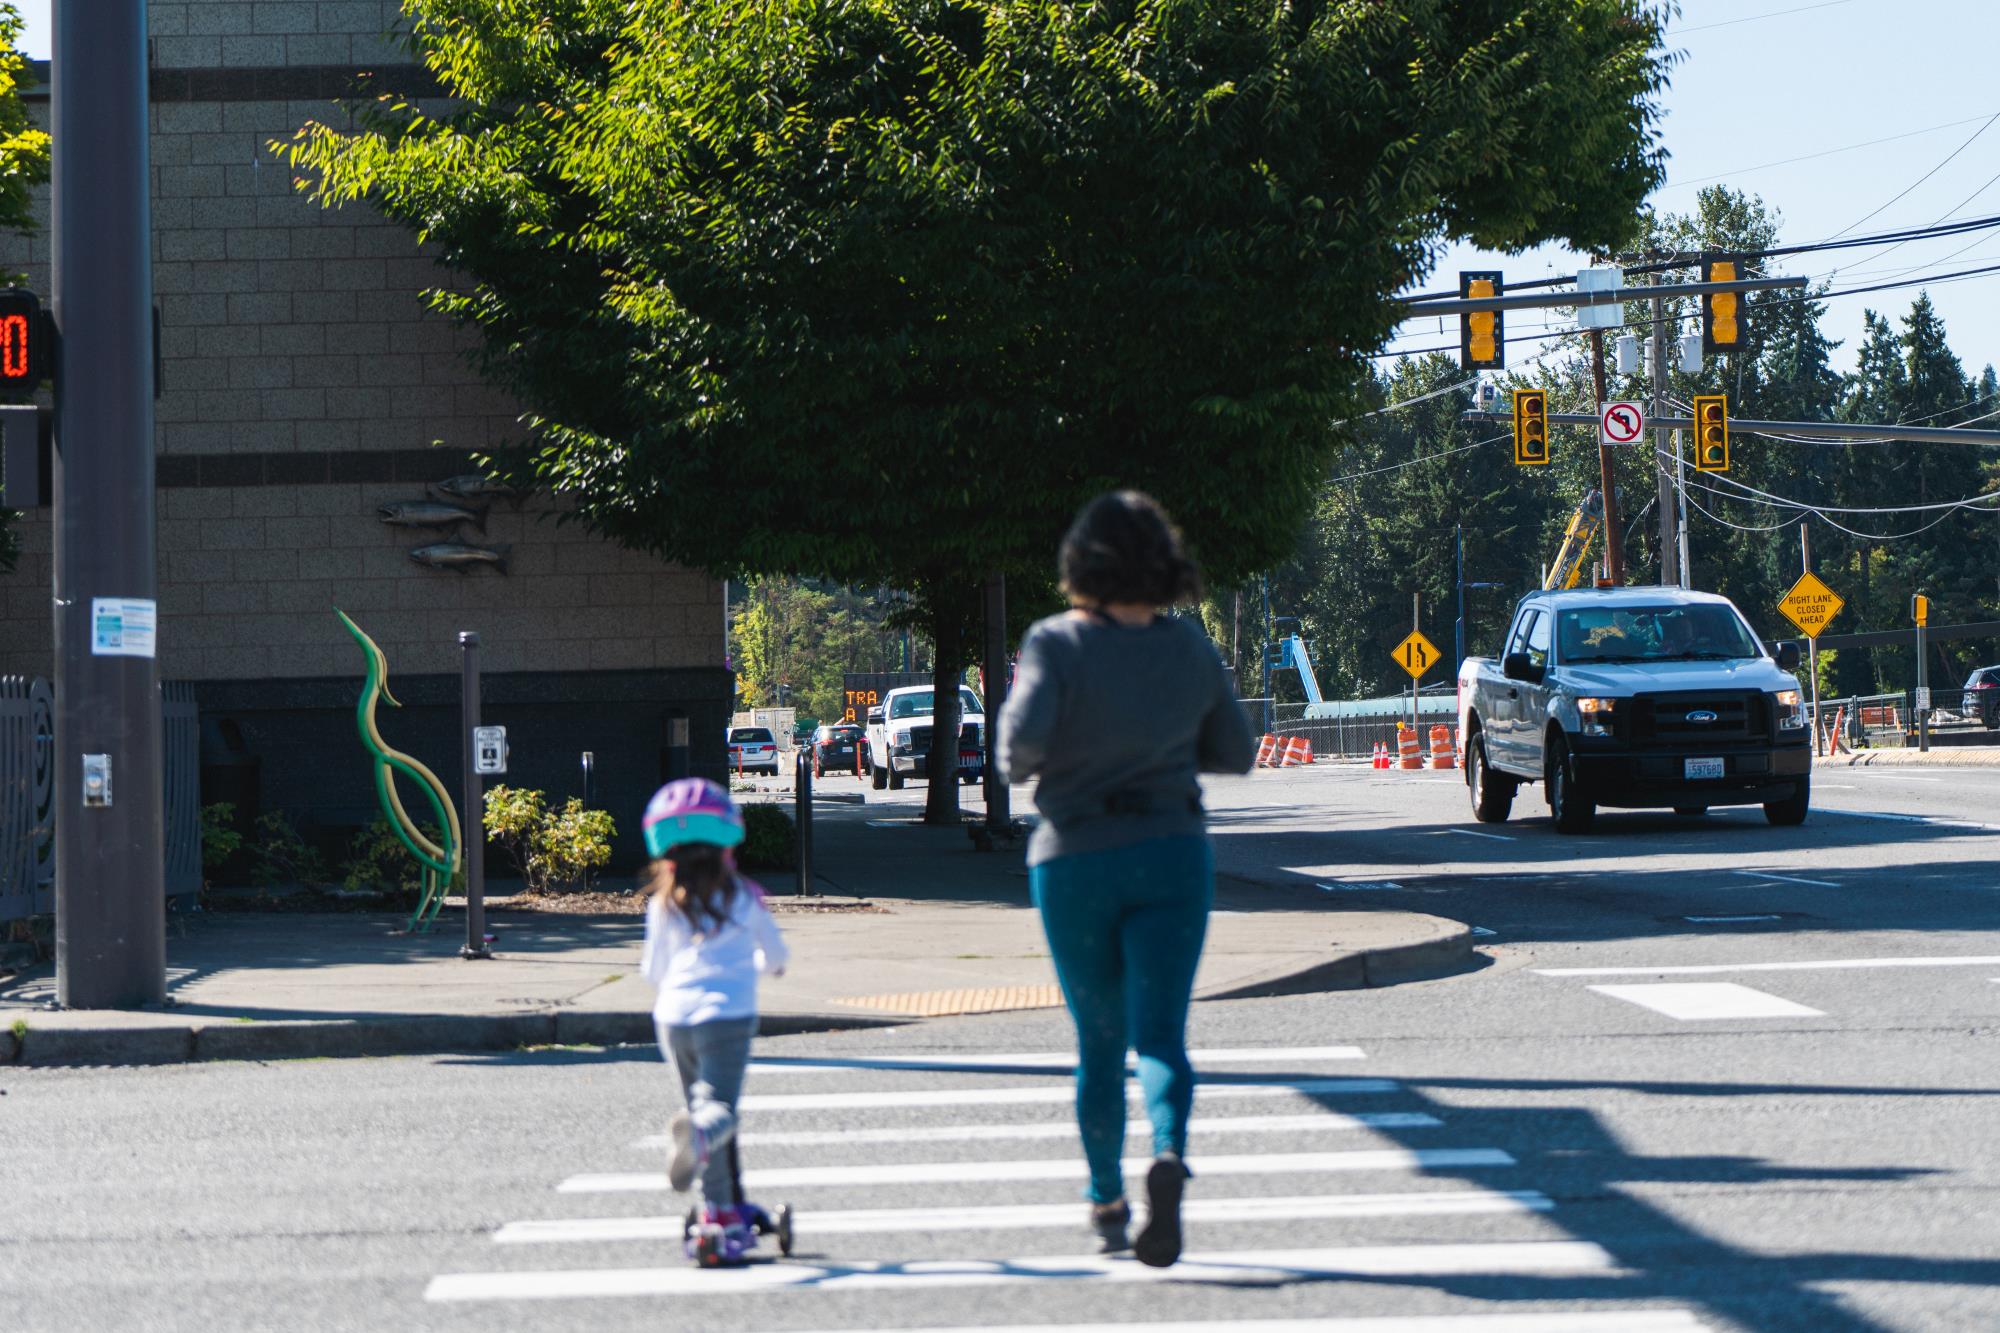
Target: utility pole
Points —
{"points": [[110, 852], [1670, 573], [1614, 545], [999, 815], [1812, 644]]}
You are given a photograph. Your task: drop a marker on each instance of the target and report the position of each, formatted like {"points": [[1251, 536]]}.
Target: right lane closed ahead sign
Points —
{"points": [[1810, 604]]}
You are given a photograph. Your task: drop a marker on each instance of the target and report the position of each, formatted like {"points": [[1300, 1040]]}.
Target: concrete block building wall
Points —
{"points": [[305, 385]]}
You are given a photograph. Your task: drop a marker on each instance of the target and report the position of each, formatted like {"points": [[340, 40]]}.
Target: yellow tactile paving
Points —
{"points": [[977, 1000]]}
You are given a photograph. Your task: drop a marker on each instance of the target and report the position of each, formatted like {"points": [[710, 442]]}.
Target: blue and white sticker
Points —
{"points": [[124, 627]]}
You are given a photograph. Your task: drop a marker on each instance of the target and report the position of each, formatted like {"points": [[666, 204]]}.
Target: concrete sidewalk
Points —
{"points": [[942, 929], [1950, 756]]}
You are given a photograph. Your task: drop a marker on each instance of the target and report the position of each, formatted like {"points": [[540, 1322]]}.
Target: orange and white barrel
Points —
{"points": [[1409, 750], [1442, 753]]}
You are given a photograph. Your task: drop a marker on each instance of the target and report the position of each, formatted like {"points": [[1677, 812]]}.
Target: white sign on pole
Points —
{"points": [[1604, 278], [1621, 422]]}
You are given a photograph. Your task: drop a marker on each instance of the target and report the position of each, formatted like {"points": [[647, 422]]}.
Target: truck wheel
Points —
{"points": [[895, 779], [1792, 810], [1492, 793], [878, 774], [1568, 802]]}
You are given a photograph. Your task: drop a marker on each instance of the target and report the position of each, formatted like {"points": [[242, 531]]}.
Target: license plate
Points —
{"points": [[1704, 768]]}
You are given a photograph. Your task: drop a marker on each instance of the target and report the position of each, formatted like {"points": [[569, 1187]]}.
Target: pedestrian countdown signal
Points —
{"points": [[20, 339]]}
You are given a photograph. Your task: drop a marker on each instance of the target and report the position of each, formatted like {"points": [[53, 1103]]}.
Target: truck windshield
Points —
{"points": [[1698, 633], [921, 704]]}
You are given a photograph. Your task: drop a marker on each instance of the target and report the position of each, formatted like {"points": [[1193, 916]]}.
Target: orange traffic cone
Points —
{"points": [[1265, 748], [1381, 757], [1305, 749], [1291, 756]]}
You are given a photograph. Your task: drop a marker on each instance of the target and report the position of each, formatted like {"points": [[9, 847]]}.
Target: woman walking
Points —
{"points": [[1115, 708]]}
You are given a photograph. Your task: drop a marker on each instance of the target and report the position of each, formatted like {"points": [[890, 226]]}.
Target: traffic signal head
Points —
{"points": [[1721, 312], [1920, 609], [21, 359], [1531, 427], [1482, 334], [1711, 432]]}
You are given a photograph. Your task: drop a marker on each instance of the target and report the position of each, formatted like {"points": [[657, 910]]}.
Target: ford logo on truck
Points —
{"points": [[1701, 715]]}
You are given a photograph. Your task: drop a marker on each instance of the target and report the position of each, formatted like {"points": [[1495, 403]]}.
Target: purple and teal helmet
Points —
{"points": [[691, 810]]}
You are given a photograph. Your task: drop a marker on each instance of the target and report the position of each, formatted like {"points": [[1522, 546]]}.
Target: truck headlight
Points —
{"points": [[1791, 710], [1598, 715], [902, 740]]}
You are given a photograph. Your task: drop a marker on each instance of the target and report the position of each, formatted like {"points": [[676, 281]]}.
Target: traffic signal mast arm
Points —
{"points": [[1825, 430], [1615, 296]]}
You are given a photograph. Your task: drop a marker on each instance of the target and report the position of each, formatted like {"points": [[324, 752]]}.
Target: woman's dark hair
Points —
{"points": [[696, 882], [1124, 548]]}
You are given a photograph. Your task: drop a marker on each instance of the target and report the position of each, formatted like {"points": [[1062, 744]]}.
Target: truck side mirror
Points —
{"points": [[1788, 656], [1520, 666]]}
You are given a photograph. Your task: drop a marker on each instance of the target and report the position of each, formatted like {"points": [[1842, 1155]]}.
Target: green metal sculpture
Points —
{"points": [[440, 863]]}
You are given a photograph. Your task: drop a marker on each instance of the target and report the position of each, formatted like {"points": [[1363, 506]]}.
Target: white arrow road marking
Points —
{"points": [[1065, 1130], [1702, 1000], [1788, 879], [1272, 1267], [1062, 1168], [909, 1221], [1475, 833]]}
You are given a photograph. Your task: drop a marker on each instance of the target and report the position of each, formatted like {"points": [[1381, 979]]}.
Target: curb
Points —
{"points": [[1447, 952], [304, 1039]]}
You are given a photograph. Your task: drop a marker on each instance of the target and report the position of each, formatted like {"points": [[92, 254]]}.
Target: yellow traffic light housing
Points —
{"points": [[1482, 334], [1721, 312], [1711, 432], [1531, 427], [1920, 609]]}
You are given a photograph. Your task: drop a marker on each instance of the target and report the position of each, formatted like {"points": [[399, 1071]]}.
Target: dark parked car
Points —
{"points": [[839, 748], [1982, 692]]}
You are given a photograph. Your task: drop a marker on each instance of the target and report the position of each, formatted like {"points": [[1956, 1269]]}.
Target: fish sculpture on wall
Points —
{"points": [[460, 557], [473, 486], [431, 514]]}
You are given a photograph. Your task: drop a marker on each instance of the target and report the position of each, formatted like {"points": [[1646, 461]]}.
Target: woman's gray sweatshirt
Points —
{"points": [[1116, 721]]}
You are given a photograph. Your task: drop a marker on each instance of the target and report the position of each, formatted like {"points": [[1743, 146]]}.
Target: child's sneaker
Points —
{"points": [[690, 1152], [723, 1238]]}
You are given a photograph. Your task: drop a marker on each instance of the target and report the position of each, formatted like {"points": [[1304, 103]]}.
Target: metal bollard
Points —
{"points": [[802, 805]]}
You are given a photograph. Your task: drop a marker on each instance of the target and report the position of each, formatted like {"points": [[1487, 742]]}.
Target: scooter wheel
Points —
{"points": [[783, 1223], [708, 1252]]}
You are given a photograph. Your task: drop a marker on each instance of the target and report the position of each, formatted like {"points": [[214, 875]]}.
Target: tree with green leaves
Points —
{"points": [[886, 289], [24, 164]]}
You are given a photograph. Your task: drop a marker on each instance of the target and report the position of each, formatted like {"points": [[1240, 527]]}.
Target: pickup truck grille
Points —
{"points": [[1741, 716], [920, 738]]}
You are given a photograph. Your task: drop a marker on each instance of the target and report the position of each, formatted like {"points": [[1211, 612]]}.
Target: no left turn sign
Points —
{"points": [[1621, 422]]}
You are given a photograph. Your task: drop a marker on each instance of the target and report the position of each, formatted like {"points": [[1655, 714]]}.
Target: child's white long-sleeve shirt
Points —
{"points": [[711, 975]]}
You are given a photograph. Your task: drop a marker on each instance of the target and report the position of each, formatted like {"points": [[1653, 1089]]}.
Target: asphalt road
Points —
{"points": [[1777, 1116]]}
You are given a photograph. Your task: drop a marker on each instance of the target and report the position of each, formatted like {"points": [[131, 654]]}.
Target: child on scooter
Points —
{"points": [[708, 937]]}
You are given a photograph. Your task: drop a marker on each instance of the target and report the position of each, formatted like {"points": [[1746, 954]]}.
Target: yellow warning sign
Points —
{"points": [[1416, 654], [1810, 604]]}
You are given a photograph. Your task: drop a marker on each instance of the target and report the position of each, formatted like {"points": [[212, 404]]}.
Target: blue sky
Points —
{"points": [[1761, 82]]}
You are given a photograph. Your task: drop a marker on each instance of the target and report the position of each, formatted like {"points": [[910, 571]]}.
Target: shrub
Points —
{"points": [[377, 859], [220, 839], [551, 849], [770, 841], [278, 855]]}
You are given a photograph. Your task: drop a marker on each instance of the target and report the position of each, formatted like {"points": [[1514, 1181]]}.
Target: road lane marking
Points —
{"points": [[1788, 879], [1697, 1001], [1475, 833], [1065, 1130], [1051, 1094], [1820, 965], [1053, 1061], [1903, 777], [1056, 1168], [1721, 920], [1359, 885], [1001, 1217], [1541, 1321], [1259, 1267]]}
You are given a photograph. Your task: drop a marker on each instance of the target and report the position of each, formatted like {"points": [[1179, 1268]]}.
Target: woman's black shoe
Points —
{"points": [[1109, 1221], [1159, 1243]]}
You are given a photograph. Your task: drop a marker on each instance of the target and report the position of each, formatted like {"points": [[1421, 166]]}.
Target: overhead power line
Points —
{"points": [[1753, 18], [1826, 152], [1921, 179]]}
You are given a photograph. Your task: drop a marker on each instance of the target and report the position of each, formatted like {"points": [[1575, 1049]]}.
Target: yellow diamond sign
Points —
{"points": [[1810, 604], [1417, 654]]}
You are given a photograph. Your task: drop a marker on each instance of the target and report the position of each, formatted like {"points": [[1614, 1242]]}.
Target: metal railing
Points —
{"points": [[1874, 721], [1355, 735], [28, 796]]}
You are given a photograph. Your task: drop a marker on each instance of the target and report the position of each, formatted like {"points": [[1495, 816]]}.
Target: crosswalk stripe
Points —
{"points": [[1544, 1321], [1064, 1060], [1242, 1266], [1705, 1000], [1313, 1121], [1063, 1168], [863, 1221], [1053, 1094]]}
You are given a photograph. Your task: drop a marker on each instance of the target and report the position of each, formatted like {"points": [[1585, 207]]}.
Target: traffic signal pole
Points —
{"points": [[1670, 544], [1614, 544], [110, 884]]}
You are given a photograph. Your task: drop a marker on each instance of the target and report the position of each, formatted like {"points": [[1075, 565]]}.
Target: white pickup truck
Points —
{"points": [[899, 736], [1634, 697]]}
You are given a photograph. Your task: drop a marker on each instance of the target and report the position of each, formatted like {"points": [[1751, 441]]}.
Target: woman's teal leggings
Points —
{"points": [[1125, 928]]}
